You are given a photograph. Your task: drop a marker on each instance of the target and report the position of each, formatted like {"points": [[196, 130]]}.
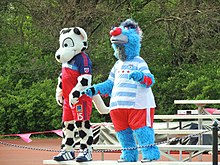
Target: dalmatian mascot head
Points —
{"points": [[72, 42]]}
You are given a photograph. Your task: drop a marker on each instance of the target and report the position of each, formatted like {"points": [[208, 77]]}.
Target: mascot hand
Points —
{"points": [[59, 98], [90, 91], [59, 92], [136, 76], [74, 97]]}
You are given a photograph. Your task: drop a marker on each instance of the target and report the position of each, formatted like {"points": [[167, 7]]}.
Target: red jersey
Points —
{"points": [[78, 65]]}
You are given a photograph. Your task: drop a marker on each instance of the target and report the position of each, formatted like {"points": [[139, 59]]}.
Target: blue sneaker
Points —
{"points": [[84, 156], [64, 156]]}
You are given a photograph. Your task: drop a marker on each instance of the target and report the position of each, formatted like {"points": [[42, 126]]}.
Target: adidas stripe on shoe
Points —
{"points": [[84, 156], [64, 156]]}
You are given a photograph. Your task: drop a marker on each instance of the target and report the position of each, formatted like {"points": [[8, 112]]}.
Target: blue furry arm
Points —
{"points": [[104, 88], [145, 79]]}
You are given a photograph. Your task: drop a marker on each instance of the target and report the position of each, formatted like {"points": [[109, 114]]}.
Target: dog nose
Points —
{"points": [[58, 56], [116, 31]]}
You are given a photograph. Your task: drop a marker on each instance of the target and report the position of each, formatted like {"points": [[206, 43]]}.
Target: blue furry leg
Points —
{"points": [[126, 139], [145, 137]]}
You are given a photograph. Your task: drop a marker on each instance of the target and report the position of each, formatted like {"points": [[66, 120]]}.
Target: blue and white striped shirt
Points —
{"points": [[129, 93]]}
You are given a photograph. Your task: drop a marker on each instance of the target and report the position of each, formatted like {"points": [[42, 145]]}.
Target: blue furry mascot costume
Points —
{"points": [[132, 102]]}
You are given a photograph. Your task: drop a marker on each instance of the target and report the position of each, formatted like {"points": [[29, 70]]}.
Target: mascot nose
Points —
{"points": [[58, 56], [116, 31]]}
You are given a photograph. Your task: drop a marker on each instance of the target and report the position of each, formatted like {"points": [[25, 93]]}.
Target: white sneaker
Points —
{"points": [[145, 160], [64, 156], [84, 156], [121, 161]]}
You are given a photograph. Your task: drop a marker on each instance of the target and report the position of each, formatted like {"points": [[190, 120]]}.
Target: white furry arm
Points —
{"points": [[84, 81], [100, 105], [59, 92]]}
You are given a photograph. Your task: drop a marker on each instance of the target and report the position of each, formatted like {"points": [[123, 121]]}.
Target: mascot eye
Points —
{"points": [[68, 42], [112, 27]]}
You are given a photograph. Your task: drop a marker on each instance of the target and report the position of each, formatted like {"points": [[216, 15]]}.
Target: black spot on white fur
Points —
{"points": [[64, 135], [84, 82], [82, 134], [83, 146], [60, 85], [84, 48], [85, 43], [70, 127], [87, 124], [76, 94], [66, 31], [76, 31], [63, 125], [62, 146], [78, 124], [69, 141], [90, 140]]}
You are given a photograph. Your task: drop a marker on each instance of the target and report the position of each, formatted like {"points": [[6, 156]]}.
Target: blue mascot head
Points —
{"points": [[126, 40]]}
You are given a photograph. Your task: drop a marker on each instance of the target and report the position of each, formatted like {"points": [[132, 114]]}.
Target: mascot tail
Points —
{"points": [[100, 105]]}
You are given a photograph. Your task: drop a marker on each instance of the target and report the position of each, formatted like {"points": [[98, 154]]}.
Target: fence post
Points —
{"points": [[215, 143]]}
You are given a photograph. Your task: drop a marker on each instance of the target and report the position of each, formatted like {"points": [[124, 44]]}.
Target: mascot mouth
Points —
{"points": [[119, 39], [121, 52]]}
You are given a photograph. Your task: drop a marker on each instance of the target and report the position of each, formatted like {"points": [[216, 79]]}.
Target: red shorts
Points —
{"points": [[81, 111], [132, 118]]}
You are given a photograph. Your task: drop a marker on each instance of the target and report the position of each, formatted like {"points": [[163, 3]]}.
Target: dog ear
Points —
{"points": [[81, 31], [65, 30], [85, 43], [76, 31], [84, 36]]}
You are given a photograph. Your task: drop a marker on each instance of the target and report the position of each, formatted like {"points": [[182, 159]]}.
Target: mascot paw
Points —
{"points": [[89, 91], [59, 101], [74, 97], [136, 76], [59, 96]]}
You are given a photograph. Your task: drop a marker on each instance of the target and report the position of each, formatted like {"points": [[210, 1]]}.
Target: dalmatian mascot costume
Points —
{"points": [[132, 102], [75, 77]]}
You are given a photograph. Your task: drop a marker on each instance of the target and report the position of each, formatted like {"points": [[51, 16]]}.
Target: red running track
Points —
{"points": [[10, 155]]}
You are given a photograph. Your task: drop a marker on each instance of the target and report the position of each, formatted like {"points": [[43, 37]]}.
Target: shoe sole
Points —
{"points": [[62, 160], [83, 160], [146, 161]]}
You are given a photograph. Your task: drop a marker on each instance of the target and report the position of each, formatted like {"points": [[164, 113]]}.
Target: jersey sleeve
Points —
{"points": [[148, 79], [143, 67], [84, 64]]}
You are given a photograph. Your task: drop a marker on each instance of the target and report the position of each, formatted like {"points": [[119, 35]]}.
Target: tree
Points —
{"points": [[180, 44]]}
